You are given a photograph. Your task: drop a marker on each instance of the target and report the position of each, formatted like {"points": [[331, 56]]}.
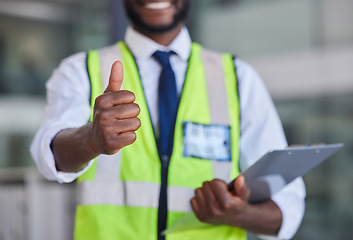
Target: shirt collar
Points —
{"points": [[143, 47]]}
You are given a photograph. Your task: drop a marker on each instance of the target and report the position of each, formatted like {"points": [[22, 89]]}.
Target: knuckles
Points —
{"points": [[225, 206], [218, 182], [215, 213], [101, 101], [113, 98], [198, 192], [102, 116], [109, 146]]}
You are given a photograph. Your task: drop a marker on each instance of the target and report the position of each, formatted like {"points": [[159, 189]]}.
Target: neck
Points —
{"points": [[162, 38]]}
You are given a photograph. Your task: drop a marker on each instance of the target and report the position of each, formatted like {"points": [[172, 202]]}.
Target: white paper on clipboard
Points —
{"points": [[269, 174]]}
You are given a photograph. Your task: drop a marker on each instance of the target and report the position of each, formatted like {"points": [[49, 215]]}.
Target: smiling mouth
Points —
{"points": [[158, 5]]}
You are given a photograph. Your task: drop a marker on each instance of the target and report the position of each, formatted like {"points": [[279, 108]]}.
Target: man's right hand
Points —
{"points": [[113, 127], [115, 116]]}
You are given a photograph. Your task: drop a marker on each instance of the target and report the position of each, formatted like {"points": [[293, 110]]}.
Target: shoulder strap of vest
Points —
{"points": [[223, 94], [217, 72], [93, 69]]}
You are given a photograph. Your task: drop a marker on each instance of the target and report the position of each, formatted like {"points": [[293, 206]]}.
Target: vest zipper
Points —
{"points": [[165, 159], [163, 198]]}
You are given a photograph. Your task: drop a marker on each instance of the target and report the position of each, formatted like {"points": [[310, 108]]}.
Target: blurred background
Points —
{"points": [[303, 49]]}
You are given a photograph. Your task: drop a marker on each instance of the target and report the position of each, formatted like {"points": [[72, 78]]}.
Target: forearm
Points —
{"points": [[264, 218], [71, 149]]}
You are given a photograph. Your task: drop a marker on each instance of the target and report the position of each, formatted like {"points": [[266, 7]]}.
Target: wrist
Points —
{"points": [[244, 217], [91, 143], [263, 218]]}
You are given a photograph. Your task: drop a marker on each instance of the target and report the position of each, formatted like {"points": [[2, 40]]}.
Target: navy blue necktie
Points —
{"points": [[167, 102]]}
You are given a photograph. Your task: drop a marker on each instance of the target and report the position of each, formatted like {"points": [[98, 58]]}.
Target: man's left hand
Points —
{"points": [[214, 204]]}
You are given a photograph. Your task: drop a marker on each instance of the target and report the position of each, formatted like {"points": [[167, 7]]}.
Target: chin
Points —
{"points": [[157, 20]]}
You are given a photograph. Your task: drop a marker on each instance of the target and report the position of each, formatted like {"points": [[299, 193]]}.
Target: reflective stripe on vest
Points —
{"points": [[138, 194], [130, 179]]}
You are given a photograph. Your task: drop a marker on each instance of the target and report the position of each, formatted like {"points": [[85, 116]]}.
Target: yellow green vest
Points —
{"points": [[118, 197]]}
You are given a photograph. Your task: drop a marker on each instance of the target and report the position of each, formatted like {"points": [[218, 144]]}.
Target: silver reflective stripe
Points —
{"points": [[96, 193], [179, 198], [221, 170], [135, 194], [217, 95], [142, 194], [216, 87], [108, 56]]}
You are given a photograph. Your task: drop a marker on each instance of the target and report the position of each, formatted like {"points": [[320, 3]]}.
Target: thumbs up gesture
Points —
{"points": [[115, 116]]}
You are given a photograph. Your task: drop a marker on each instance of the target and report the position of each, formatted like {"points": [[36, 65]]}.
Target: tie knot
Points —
{"points": [[162, 57]]}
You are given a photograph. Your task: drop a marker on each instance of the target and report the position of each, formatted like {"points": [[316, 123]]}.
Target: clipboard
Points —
{"points": [[268, 175], [278, 168]]}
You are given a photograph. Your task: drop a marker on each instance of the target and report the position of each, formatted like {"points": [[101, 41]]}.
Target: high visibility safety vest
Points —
{"points": [[118, 197]]}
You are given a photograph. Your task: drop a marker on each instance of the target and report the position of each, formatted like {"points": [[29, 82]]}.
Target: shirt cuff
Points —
{"points": [[291, 201], [46, 161], [66, 177]]}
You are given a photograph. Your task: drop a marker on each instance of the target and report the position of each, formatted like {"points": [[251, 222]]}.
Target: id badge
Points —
{"points": [[206, 141]]}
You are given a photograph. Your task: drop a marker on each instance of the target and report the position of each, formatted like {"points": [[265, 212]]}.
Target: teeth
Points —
{"points": [[158, 5]]}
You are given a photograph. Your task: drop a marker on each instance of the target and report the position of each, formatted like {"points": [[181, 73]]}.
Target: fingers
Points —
{"points": [[123, 111], [206, 200], [127, 125], [205, 204], [116, 142], [116, 77], [213, 203], [115, 127], [198, 203], [116, 134], [118, 112], [127, 138], [222, 194], [114, 98], [124, 125]]}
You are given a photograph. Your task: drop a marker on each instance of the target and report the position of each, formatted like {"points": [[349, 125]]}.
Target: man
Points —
{"points": [[185, 120]]}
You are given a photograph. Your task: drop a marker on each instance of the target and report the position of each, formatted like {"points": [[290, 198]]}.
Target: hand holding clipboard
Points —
{"points": [[268, 175]]}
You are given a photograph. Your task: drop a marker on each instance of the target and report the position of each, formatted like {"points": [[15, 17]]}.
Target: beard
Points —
{"points": [[180, 16]]}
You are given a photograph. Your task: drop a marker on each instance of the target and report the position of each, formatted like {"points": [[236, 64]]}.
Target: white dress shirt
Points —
{"points": [[68, 106]]}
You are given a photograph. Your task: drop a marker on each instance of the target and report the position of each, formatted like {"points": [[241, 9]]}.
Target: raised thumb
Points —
{"points": [[116, 77]]}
